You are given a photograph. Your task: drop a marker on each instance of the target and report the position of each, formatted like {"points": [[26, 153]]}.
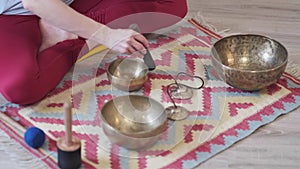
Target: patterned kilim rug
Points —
{"points": [[219, 115]]}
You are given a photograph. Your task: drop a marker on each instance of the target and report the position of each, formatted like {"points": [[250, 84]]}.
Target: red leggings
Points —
{"points": [[27, 75]]}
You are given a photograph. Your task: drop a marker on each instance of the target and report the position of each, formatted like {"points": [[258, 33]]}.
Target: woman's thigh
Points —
{"points": [[149, 15]]}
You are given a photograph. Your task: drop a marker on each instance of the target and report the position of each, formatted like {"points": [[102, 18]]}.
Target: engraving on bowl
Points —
{"points": [[249, 62]]}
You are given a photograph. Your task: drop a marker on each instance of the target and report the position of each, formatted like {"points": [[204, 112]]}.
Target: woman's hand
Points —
{"points": [[125, 41]]}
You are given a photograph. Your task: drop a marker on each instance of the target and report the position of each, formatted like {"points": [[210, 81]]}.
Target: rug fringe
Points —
{"points": [[201, 20], [293, 69], [18, 154]]}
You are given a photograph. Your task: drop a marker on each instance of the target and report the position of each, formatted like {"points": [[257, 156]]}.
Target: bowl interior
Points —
{"points": [[249, 52], [134, 115], [128, 68]]}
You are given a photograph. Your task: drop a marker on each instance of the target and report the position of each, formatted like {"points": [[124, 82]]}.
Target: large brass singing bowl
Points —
{"points": [[127, 74], [249, 62], [133, 121]]}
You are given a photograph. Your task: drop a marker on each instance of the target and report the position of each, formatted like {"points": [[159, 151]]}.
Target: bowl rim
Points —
{"points": [[250, 71], [127, 79], [137, 134]]}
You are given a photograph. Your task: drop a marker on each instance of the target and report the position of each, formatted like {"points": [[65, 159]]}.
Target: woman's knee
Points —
{"points": [[22, 88], [22, 95], [174, 7]]}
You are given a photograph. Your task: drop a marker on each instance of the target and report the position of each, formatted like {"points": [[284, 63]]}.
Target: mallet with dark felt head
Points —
{"points": [[68, 147]]}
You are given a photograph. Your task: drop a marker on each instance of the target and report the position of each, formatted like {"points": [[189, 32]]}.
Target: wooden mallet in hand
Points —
{"points": [[68, 147]]}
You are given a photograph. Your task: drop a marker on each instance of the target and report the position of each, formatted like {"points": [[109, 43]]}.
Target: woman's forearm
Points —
{"points": [[58, 14], [62, 16]]}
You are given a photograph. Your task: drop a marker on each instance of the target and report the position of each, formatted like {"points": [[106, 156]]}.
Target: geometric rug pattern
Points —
{"points": [[219, 115]]}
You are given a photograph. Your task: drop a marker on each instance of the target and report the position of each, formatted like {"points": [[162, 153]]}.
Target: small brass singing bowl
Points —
{"points": [[133, 121], [248, 61], [127, 74]]}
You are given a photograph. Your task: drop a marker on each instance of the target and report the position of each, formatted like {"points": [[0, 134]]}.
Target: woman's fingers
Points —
{"points": [[127, 41], [138, 46], [130, 50], [140, 38]]}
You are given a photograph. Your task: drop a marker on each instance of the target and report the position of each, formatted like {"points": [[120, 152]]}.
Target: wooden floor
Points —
{"points": [[277, 145]]}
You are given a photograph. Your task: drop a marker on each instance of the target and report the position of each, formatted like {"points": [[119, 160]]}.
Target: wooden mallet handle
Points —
{"points": [[68, 143], [68, 147], [68, 124]]}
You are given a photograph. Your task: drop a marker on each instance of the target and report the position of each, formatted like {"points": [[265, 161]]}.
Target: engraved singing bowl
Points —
{"points": [[248, 61], [127, 74]]}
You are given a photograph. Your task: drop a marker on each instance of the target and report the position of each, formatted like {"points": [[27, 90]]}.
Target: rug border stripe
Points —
{"points": [[18, 137]]}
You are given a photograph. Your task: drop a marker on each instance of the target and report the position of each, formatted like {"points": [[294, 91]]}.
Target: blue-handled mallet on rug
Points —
{"points": [[68, 147]]}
